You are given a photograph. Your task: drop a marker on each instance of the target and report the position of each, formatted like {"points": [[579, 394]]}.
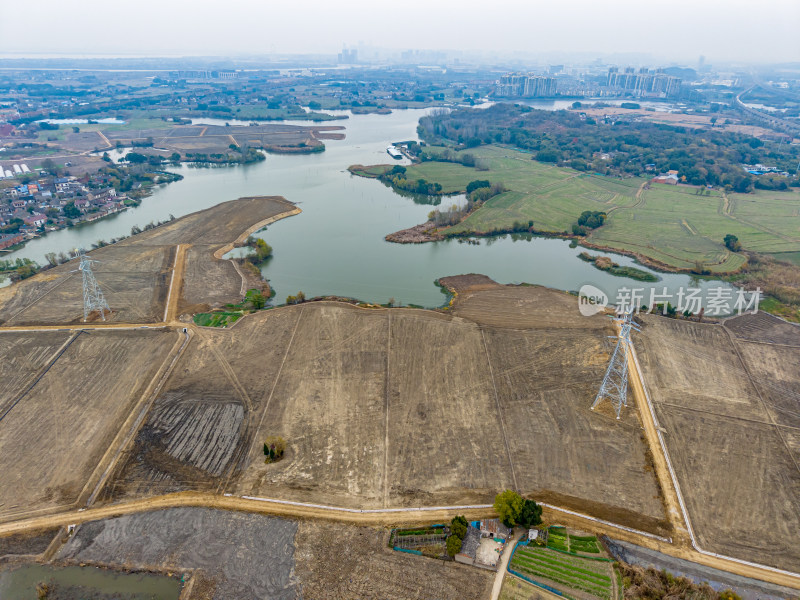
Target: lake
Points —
{"points": [[336, 246]]}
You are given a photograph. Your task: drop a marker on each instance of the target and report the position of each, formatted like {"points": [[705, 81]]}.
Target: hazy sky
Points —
{"points": [[764, 30]]}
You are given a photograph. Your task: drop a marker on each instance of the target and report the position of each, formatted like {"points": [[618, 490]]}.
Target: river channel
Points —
{"points": [[336, 245]]}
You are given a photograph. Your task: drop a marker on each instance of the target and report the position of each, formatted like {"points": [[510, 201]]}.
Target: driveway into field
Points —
{"points": [[503, 565]]}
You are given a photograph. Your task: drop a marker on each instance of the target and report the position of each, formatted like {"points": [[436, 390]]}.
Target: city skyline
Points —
{"points": [[678, 31]]}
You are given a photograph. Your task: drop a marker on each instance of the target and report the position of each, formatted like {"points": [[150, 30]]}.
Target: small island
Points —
{"points": [[604, 263]]}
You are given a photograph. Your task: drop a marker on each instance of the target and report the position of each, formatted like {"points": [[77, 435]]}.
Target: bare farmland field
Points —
{"points": [[22, 358], [217, 138], [134, 281], [338, 561], [729, 411], [208, 282], [398, 407], [53, 438], [202, 423]]}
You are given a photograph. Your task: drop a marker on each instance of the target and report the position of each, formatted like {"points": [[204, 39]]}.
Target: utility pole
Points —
{"points": [[615, 383], [93, 298]]}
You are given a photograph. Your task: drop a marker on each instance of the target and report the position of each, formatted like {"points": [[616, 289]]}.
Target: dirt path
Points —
{"points": [[253, 228], [501, 568], [639, 193], [283, 508], [675, 510], [685, 223], [105, 139], [230, 374], [175, 284]]}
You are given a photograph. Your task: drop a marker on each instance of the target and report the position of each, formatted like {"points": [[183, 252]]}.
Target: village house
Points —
{"points": [[670, 178], [10, 239], [35, 219], [494, 528]]}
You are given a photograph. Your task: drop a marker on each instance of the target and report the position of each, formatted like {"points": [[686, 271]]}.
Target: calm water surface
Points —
{"points": [[336, 245], [86, 583]]}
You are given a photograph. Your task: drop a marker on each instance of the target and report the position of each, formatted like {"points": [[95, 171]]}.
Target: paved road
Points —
{"points": [[501, 568]]}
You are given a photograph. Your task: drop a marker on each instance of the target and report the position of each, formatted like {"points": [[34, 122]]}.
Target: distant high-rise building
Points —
{"points": [[517, 85], [647, 82], [348, 56]]}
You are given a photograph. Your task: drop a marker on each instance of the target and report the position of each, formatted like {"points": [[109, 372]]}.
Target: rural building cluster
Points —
{"points": [[51, 202]]}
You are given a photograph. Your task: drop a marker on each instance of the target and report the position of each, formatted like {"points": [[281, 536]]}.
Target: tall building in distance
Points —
{"points": [[519, 85], [644, 82], [348, 56]]}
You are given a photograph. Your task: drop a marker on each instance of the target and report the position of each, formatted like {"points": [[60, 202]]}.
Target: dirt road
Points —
{"points": [[379, 517], [175, 283]]}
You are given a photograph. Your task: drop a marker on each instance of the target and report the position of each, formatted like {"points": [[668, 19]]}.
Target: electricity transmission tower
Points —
{"points": [[92, 296], [615, 384]]}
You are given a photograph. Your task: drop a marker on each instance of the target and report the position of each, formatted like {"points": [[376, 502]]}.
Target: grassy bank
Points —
{"points": [[672, 228], [606, 264]]}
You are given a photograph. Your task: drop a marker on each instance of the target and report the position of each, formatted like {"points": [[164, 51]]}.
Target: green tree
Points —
{"points": [[262, 248], [71, 211], [508, 506], [136, 158], [591, 219], [458, 526], [477, 184], [732, 243], [453, 545], [257, 300], [531, 514]]}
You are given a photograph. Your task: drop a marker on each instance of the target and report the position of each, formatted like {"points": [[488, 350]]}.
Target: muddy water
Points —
{"points": [[336, 246], [85, 583]]}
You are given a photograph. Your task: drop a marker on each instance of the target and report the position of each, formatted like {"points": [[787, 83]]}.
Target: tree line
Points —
{"points": [[618, 147]]}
